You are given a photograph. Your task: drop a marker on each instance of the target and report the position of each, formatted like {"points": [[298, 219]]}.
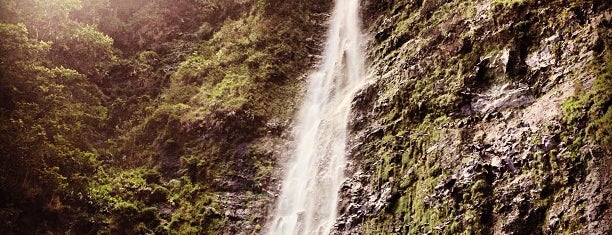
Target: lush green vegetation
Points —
{"points": [[127, 117]]}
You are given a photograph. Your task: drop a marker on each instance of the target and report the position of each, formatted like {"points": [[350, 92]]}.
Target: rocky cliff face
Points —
{"points": [[482, 117], [171, 116]]}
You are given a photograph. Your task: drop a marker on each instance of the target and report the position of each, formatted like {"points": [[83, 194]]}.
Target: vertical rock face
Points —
{"points": [[483, 117]]}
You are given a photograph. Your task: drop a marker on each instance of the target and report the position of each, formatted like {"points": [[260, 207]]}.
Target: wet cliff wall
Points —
{"points": [[482, 117]]}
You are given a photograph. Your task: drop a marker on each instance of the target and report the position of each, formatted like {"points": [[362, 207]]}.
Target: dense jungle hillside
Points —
{"points": [[175, 116], [139, 117]]}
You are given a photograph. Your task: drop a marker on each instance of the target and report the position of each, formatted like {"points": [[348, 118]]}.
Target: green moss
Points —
{"points": [[589, 113], [507, 3]]}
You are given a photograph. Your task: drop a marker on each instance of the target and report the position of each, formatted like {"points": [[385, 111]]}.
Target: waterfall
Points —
{"points": [[309, 194]]}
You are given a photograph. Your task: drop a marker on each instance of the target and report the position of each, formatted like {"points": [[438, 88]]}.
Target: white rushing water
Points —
{"points": [[309, 195]]}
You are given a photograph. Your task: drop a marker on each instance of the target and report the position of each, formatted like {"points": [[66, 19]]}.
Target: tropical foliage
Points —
{"points": [[123, 117]]}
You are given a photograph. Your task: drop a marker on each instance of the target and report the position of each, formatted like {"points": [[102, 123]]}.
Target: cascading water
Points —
{"points": [[309, 194]]}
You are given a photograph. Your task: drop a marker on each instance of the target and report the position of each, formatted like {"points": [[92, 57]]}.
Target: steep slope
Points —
{"points": [[205, 148], [141, 117], [483, 117]]}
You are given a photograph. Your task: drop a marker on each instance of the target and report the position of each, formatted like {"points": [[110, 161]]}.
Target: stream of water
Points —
{"points": [[309, 194]]}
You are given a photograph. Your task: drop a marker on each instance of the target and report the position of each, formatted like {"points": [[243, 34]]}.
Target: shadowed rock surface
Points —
{"points": [[468, 126]]}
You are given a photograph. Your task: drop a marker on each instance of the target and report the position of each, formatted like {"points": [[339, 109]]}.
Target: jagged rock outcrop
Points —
{"points": [[481, 117]]}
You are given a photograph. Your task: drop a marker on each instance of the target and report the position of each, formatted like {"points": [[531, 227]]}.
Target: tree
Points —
{"points": [[48, 122], [87, 51]]}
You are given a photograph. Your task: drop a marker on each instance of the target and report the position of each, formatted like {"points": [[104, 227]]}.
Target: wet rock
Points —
{"points": [[384, 198], [541, 59], [507, 171], [553, 224], [502, 97], [549, 142], [510, 164]]}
